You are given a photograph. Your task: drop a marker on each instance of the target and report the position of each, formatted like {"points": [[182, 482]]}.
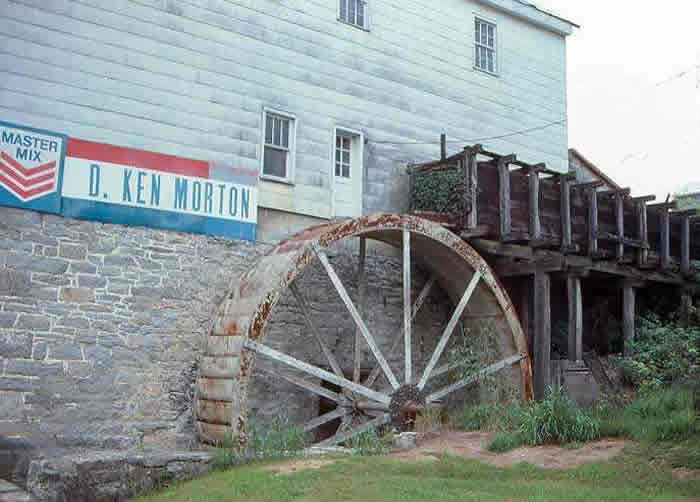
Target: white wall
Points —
{"points": [[190, 78]]}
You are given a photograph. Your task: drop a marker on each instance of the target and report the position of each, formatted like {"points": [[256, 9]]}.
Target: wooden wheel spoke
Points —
{"points": [[310, 386], [356, 316], [315, 371], [407, 317], [345, 435], [309, 323], [397, 339], [361, 287], [489, 370], [449, 329], [325, 418]]}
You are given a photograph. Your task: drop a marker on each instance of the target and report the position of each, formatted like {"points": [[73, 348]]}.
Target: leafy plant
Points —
{"points": [[279, 439], [436, 191], [473, 351], [369, 443], [504, 441]]}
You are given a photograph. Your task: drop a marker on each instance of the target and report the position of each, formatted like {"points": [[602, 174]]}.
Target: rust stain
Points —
{"points": [[231, 328]]}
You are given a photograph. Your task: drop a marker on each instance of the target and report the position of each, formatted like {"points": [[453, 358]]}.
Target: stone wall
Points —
{"points": [[100, 326]]}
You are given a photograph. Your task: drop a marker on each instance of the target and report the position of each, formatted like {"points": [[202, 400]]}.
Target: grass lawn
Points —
{"points": [[641, 473]]}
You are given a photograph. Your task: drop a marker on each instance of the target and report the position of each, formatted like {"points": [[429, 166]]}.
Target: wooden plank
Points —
{"points": [[504, 196], [356, 316], [427, 287], [628, 316], [686, 306], [407, 310], [305, 384], [443, 146], [500, 249], [685, 246], [543, 333], [479, 231], [343, 436], [445, 391], [305, 312], [565, 188], [625, 241], [534, 205], [314, 371], [642, 233], [592, 222], [663, 206], [554, 263], [325, 418], [450, 328], [524, 309], [620, 221], [472, 166], [665, 235], [575, 351], [588, 185], [362, 287]]}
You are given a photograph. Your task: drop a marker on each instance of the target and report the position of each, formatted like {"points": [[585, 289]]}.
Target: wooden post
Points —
{"points": [[472, 181], [534, 205], [361, 293], [685, 246], [543, 333], [443, 146], [686, 305], [407, 310], [665, 224], [620, 217], [575, 318], [566, 240], [504, 201], [592, 221], [524, 310], [643, 233], [628, 314]]}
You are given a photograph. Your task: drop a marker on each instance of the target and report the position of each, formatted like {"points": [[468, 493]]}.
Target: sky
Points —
{"points": [[634, 90]]}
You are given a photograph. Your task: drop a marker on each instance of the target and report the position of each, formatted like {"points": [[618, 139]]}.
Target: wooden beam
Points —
{"points": [[343, 436], [555, 263], [628, 315], [663, 206], [665, 244], [620, 220], [625, 241], [305, 313], [361, 296], [315, 372], [471, 166], [443, 146], [490, 370], [685, 246], [622, 192], [500, 249], [543, 333], [534, 205], [575, 351], [588, 185], [450, 328], [686, 306], [504, 197], [407, 304], [566, 240], [592, 222], [356, 316], [642, 233], [479, 231], [644, 198], [525, 310], [324, 419], [305, 384]]}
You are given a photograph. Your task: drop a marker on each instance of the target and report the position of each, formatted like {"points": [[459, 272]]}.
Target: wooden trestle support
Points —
{"points": [[238, 332]]}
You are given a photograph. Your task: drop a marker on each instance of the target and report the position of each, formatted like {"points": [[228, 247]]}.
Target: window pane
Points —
{"points": [[483, 34], [491, 36], [337, 141], [268, 129], [346, 143], [351, 11], [476, 56], [337, 168], [346, 157], [344, 10], [275, 163], [361, 13], [477, 31], [337, 154], [483, 58], [491, 65], [346, 171], [285, 133]]}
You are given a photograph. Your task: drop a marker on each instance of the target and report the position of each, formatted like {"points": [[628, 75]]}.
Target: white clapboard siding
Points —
{"points": [[191, 77]]}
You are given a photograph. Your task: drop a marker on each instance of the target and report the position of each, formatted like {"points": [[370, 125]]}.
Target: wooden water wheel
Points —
{"points": [[386, 393]]}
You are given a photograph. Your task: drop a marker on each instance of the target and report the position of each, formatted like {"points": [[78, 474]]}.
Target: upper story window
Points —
{"points": [[485, 46], [354, 12], [278, 148]]}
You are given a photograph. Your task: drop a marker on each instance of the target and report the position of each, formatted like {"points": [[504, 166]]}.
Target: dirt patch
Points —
{"points": [[473, 445], [297, 465], [682, 473]]}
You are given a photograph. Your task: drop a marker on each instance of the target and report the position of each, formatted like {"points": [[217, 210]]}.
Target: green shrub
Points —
{"points": [[504, 441], [279, 439], [663, 353], [369, 443], [556, 420]]}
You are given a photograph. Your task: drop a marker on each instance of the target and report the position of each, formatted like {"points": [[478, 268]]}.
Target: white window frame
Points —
{"points": [[291, 149], [496, 47], [364, 27]]}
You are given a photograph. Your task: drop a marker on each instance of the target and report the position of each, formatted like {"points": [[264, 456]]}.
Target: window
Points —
{"points": [[485, 46], [354, 12], [278, 147], [343, 147]]}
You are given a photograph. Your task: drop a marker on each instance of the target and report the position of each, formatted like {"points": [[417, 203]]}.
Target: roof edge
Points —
{"points": [[591, 166], [535, 15]]}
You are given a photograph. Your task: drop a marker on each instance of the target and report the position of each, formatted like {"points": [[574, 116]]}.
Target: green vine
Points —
{"points": [[443, 191]]}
